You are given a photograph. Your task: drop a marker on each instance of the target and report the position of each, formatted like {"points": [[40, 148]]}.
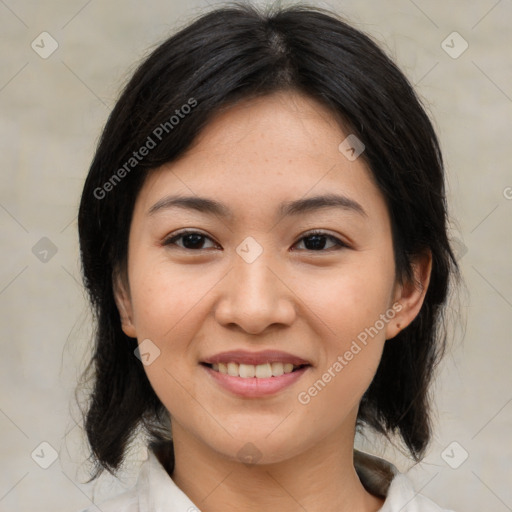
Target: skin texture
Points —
{"points": [[194, 303]]}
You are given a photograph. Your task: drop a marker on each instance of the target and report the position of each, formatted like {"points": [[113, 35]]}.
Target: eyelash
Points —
{"points": [[171, 240]]}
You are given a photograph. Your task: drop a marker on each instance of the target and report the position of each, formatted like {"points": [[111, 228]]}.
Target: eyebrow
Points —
{"points": [[286, 208]]}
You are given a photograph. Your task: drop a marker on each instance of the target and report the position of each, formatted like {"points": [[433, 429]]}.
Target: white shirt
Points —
{"points": [[155, 491]]}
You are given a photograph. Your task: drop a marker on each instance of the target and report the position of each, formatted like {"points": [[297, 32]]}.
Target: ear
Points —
{"points": [[123, 303], [409, 296]]}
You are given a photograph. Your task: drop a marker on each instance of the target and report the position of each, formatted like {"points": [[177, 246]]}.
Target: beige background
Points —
{"points": [[52, 112]]}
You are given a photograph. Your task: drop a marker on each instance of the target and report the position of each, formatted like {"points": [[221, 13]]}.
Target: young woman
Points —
{"points": [[263, 235]]}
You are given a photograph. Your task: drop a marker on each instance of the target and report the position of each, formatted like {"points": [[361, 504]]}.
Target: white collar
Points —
{"points": [[155, 490]]}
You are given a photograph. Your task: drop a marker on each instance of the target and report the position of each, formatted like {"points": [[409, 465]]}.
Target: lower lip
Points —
{"points": [[254, 387]]}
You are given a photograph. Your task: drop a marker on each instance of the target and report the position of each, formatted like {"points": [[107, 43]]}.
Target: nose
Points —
{"points": [[255, 296]]}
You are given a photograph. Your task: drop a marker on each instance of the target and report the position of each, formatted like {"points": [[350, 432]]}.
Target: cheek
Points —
{"points": [[353, 309], [350, 299], [165, 304], [352, 349], [165, 298], [169, 305]]}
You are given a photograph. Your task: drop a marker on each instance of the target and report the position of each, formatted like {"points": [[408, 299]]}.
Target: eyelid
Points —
{"points": [[186, 231], [340, 242]]}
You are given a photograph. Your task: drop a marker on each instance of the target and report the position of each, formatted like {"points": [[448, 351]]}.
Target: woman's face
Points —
{"points": [[253, 286]]}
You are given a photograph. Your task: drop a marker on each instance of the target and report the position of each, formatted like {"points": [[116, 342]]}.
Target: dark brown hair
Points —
{"points": [[238, 52]]}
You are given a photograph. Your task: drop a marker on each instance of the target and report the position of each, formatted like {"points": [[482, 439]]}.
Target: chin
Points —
{"points": [[253, 448]]}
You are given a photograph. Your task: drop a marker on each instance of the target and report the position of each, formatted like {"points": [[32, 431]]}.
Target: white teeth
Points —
{"points": [[233, 369], [277, 369], [247, 371], [263, 371], [288, 367]]}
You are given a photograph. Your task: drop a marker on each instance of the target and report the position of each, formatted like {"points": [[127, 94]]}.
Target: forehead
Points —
{"points": [[263, 152]]}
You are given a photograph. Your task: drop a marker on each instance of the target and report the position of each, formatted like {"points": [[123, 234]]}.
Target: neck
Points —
{"points": [[322, 478]]}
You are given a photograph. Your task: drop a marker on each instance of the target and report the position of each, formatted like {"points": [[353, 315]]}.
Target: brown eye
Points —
{"points": [[195, 240], [316, 241], [191, 240]]}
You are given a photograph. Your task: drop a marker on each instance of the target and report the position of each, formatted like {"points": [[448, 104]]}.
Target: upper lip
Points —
{"points": [[255, 358]]}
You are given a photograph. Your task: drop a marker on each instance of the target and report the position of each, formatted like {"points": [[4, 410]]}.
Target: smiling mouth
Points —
{"points": [[259, 371]]}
